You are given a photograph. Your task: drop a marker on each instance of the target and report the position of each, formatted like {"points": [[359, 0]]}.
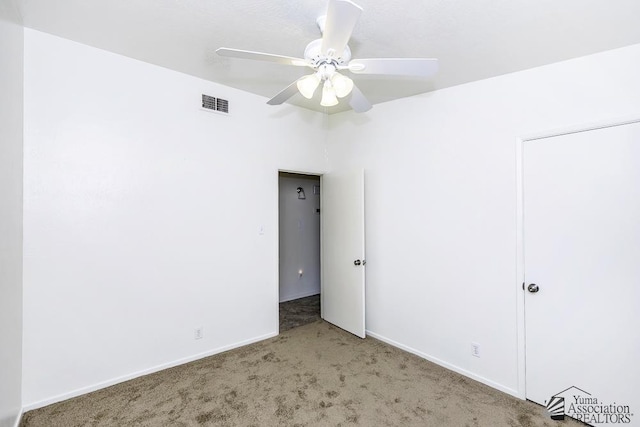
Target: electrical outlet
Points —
{"points": [[198, 333], [475, 349]]}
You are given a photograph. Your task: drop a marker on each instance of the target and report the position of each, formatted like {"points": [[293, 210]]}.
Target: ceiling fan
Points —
{"points": [[330, 56]]}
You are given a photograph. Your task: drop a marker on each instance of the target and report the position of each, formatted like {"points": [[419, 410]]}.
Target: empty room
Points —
{"points": [[465, 178]]}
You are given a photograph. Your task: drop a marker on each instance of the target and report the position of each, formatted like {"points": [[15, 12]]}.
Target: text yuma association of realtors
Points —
{"points": [[589, 410]]}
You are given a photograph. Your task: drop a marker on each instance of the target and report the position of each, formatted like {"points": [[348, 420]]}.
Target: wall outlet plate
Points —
{"points": [[198, 333]]}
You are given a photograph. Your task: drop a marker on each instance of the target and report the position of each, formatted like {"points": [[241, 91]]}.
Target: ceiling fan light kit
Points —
{"points": [[330, 54], [307, 85], [343, 85], [329, 98]]}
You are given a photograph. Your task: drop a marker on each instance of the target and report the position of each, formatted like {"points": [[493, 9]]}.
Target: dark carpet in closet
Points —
{"points": [[299, 312]]}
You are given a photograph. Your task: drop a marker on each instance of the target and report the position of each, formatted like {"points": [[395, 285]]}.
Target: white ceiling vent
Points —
{"points": [[211, 103], [222, 105]]}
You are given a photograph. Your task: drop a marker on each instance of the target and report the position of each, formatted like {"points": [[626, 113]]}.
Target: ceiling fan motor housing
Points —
{"points": [[314, 56]]}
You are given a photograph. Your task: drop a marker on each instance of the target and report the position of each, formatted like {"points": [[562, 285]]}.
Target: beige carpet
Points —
{"points": [[314, 375]]}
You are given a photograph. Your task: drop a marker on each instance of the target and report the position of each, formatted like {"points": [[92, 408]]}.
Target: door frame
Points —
{"points": [[520, 273], [318, 174]]}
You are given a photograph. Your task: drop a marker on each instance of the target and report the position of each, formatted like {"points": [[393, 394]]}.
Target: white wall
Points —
{"points": [[11, 125], [142, 216], [299, 237], [441, 203]]}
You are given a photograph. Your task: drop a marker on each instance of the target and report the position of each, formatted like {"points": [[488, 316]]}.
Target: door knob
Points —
{"points": [[533, 288], [357, 262]]}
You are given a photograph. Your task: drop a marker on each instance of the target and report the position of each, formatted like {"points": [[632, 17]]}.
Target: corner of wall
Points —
{"points": [[11, 213]]}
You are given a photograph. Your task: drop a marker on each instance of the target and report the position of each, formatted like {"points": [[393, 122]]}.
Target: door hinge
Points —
{"points": [[523, 286]]}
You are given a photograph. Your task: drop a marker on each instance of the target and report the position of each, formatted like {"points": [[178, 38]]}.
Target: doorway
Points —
{"points": [[299, 249], [336, 269]]}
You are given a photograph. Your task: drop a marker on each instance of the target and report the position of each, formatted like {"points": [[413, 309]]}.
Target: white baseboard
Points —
{"points": [[301, 295], [19, 419], [108, 383], [508, 390]]}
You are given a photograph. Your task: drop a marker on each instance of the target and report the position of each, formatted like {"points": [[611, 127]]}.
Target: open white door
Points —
{"points": [[343, 258], [582, 271]]}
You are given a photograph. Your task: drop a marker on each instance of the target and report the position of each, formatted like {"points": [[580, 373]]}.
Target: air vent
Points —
{"points": [[222, 105], [208, 102], [212, 103]]}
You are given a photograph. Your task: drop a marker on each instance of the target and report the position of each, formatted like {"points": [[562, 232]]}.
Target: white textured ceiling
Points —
{"points": [[473, 39]]}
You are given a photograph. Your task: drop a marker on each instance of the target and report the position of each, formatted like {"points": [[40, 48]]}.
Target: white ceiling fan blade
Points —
{"points": [[284, 94], [419, 67], [358, 101], [259, 56], [342, 17]]}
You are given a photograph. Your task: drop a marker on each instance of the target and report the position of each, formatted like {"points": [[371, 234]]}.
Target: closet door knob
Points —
{"points": [[357, 262]]}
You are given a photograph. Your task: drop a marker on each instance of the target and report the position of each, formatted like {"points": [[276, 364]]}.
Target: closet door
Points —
{"points": [[582, 269]]}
